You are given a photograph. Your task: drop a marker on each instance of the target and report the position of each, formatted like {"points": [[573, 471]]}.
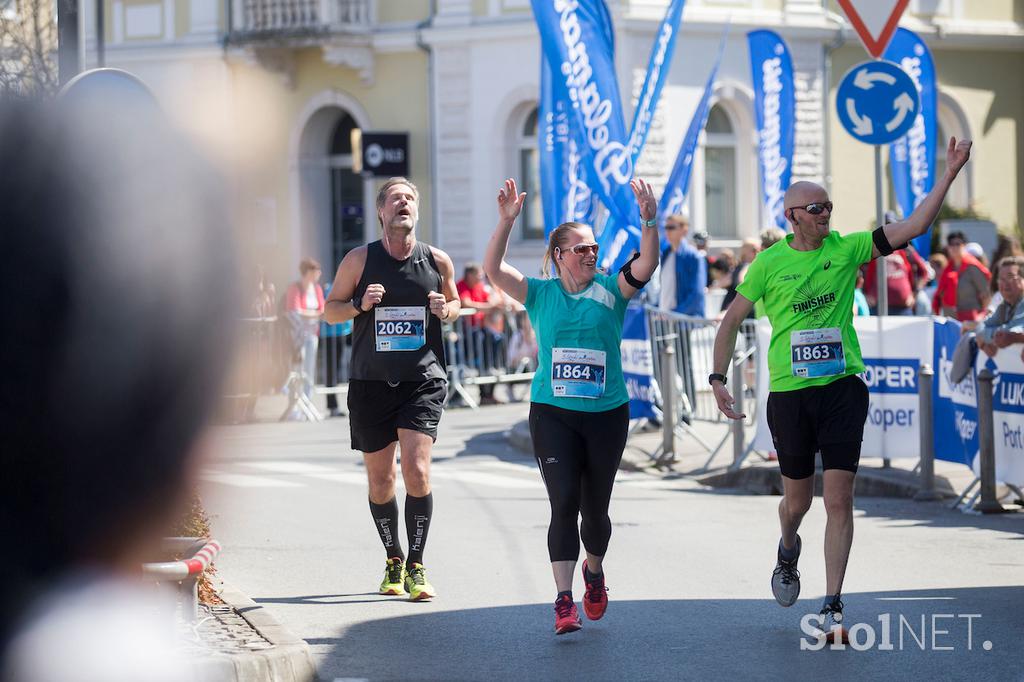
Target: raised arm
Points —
{"points": [[725, 344], [918, 222], [501, 274], [643, 267]]}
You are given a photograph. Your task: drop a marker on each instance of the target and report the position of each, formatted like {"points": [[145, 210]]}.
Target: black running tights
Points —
{"points": [[578, 454]]}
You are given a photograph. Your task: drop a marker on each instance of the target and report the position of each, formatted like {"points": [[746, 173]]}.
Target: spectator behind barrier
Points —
{"points": [[1005, 326], [118, 280], [962, 292]]}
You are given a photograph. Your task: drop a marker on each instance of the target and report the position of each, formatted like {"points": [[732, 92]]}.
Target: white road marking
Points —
{"points": [[246, 480]]}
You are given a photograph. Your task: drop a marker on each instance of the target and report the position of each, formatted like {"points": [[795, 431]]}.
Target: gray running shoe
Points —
{"points": [[831, 628], [786, 579]]}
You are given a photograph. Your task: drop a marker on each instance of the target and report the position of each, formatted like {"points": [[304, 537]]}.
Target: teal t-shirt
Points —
{"points": [[579, 339]]}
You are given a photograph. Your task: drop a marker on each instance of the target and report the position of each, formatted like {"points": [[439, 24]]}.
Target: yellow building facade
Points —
{"points": [[273, 88]]}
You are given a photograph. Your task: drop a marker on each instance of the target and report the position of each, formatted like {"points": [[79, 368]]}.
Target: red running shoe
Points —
{"points": [[567, 618], [595, 595]]}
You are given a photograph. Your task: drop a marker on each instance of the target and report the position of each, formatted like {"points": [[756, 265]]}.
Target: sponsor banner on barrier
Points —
{"points": [[637, 364], [1007, 413], [955, 406], [892, 359]]}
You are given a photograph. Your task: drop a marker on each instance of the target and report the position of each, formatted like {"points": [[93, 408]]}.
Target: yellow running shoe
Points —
{"points": [[394, 573], [416, 583]]}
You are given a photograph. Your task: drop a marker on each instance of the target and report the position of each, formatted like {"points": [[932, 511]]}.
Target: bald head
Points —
{"points": [[803, 193]]}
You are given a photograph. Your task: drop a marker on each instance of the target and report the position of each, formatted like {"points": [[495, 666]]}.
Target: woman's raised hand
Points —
{"points": [[510, 201]]}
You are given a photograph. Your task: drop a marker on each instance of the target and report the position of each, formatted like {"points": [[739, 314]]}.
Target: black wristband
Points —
{"points": [[715, 376], [356, 303]]}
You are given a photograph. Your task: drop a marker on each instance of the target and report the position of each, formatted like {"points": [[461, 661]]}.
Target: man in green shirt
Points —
{"points": [[817, 402]]}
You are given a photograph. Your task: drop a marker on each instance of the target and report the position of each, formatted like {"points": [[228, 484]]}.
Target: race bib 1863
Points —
{"points": [[817, 353], [577, 372], [400, 328]]}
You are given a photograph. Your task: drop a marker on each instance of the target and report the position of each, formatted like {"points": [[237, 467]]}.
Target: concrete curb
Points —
{"points": [[766, 479], [289, 660]]}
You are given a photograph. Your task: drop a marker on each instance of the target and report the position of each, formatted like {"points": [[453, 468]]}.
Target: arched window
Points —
{"points": [[529, 173], [720, 175]]}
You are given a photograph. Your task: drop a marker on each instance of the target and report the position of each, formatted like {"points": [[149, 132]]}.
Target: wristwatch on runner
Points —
{"points": [[357, 303], [714, 376]]}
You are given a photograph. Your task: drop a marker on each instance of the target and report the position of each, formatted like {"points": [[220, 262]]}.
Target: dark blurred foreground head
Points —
{"points": [[116, 284]]}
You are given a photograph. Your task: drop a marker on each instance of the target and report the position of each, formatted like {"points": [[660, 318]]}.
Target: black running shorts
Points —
{"points": [[828, 418], [377, 410]]}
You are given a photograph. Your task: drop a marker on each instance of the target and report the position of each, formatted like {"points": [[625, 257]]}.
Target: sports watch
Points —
{"points": [[715, 376], [357, 303]]}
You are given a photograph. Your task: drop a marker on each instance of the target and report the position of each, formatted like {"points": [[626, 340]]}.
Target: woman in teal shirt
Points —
{"points": [[579, 408]]}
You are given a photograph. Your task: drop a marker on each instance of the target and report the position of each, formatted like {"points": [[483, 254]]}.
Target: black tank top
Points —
{"points": [[386, 340]]}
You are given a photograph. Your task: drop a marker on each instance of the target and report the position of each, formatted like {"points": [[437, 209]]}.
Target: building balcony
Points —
{"points": [[291, 20]]}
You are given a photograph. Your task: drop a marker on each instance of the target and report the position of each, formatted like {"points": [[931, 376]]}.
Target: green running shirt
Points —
{"points": [[582, 333], [808, 296]]}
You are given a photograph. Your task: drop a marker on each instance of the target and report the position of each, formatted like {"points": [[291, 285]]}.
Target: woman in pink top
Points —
{"points": [[304, 304]]}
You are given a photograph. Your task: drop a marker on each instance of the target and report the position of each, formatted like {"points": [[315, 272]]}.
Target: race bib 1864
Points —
{"points": [[400, 328], [817, 353], [577, 372]]}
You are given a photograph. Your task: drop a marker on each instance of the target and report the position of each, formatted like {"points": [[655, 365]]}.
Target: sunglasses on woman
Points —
{"points": [[584, 249]]}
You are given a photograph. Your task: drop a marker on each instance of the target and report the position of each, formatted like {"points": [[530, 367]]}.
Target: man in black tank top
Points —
{"points": [[397, 292]]}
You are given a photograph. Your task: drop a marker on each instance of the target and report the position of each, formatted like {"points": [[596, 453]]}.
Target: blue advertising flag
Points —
{"points": [[576, 39], [912, 157], [553, 131], [775, 107], [657, 71], [674, 196]]}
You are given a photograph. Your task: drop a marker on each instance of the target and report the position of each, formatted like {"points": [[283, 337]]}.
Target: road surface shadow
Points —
{"points": [[693, 639]]}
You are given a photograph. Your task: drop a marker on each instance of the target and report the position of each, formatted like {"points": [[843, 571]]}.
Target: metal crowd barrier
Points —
{"points": [[687, 344], [484, 349]]}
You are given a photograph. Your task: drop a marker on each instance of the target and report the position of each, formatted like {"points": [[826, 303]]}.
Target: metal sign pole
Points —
{"points": [[883, 286]]}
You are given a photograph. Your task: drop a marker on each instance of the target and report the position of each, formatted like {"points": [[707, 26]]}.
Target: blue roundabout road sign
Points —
{"points": [[877, 102]]}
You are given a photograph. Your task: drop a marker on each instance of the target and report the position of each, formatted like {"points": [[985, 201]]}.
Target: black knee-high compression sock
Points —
{"points": [[385, 518], [418, 511]]}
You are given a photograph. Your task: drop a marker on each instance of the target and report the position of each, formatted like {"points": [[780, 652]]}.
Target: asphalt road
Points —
{"points": [[688, 570]]}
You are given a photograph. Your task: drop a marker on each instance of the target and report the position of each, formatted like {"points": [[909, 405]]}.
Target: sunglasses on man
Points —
{"points": [[816, 208]]}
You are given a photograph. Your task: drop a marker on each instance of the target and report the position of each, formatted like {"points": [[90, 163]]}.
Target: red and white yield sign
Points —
{"points": [[875, 21]]}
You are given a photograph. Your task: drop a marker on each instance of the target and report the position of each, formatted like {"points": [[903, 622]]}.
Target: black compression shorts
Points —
{"points": [[828, 418]]}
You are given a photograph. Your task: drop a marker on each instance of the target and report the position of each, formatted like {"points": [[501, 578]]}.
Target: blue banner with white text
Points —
{"points": [[912, 157], [576, 40], [657, 71], [955, 406], [775, 108]]}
